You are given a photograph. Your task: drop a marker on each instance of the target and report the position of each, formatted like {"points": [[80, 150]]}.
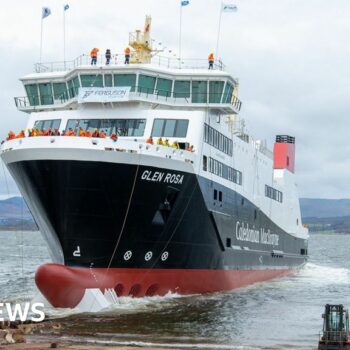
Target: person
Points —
{"points": [[95, 133], [190, 148], [166, 143], [160, 141], [81, 132], [93, 55], [88, 133], [150, 140], [175, 144], [127, 55], [114, 137], [211, 61], [56, 132], [108, 56], [11, 135], [71, 132], [102, 134], [20, 135]]}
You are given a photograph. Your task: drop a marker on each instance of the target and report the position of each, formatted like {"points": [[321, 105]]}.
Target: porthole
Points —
{"points": [[128, 255], [165, 256], [148, 256]]}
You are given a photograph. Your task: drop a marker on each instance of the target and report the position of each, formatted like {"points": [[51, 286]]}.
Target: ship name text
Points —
{"points": [[158, 176], [248, 234]]}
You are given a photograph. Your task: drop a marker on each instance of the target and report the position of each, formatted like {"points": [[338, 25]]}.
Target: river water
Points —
{"points": [[280, 314]]}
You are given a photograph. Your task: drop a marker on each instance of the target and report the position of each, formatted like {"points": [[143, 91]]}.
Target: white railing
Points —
{"points": [[118, 60]]}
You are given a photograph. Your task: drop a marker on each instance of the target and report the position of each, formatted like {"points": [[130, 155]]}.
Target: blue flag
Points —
{"points": [[66, 7], [185, 2], [45, 12]]}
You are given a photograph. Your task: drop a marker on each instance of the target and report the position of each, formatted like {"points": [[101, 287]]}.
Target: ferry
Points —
{"points": [[175, 196]]}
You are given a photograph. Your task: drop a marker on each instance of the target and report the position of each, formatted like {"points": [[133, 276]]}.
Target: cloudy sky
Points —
{"points": [[292, 58]]}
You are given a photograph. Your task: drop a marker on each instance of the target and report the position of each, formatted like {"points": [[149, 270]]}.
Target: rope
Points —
{"points": [[120, 234]]}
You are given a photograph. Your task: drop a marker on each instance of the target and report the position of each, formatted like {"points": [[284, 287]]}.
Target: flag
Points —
{"points": [[66, 7], [229, 8], [185, 2], [45, 12]]}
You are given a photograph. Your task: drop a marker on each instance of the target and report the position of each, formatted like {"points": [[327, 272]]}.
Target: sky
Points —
{"points": [[292, 58]]}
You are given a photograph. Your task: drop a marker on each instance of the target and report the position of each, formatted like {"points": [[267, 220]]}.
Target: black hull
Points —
{"points": [[90, 206]]}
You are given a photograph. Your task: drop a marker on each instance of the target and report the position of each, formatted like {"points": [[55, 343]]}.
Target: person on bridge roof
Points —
{"points": [[211, 60], [93, 55], [127, 55]]}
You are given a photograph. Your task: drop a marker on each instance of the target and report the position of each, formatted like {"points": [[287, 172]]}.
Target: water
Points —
{"points": [[279, 314]]}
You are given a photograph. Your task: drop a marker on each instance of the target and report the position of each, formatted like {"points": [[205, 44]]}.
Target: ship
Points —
{"points": [[181, 199]]}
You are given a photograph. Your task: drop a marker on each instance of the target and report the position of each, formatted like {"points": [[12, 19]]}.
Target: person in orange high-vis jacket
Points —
{"points": [[127, 55], [88, 133], [211, 60], [93, 55], [81, 132]]}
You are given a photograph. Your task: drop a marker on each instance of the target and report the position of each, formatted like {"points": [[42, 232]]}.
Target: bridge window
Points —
{"points": [[32, 93], [182, 88], [170, 128], [45, 91], [164, 87], [45, 124], [146, 84], [199, 91], [73, 87], [227, 93], [108, 80], [215, 91], [91, 80], [122, 127], [60, 92], [124, 80]]}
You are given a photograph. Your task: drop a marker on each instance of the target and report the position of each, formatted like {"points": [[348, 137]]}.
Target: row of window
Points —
{"points": [[122, 127], [273, 193], [222, 170], [170, 128], [218, 140], [201, 91]]}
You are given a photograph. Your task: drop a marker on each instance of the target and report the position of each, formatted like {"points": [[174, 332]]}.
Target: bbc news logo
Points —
{"points": [[21, 312]]}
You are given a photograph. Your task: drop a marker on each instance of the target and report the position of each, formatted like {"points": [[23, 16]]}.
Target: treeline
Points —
{"points": [[335, 224]]}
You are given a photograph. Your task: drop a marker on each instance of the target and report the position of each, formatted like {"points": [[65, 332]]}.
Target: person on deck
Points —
{"points": [[11, 135], [21, 134], [175, 144], [93, 55], [166, 143], [88, 133], [150, 140], [114, 137], [108, 56], [81, 132], [211, 61], [160, 141], [127, 55], [102, 134]]}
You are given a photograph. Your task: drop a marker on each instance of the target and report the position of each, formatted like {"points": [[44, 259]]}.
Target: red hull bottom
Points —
{"points": [[65, 286]]}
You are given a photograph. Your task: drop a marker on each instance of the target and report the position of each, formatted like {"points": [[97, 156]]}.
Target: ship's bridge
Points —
{"points": [[164, 81]]}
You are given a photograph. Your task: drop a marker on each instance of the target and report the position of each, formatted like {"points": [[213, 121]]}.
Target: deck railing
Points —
{"points": [[136, 92], [118, 60]]}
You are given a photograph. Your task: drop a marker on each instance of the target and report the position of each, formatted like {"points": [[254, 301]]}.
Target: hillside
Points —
{"points": [[324, 208], [15, 215]]}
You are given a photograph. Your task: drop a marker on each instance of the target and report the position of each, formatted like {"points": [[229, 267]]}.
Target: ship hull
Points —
{"points": [[143, 228]]}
